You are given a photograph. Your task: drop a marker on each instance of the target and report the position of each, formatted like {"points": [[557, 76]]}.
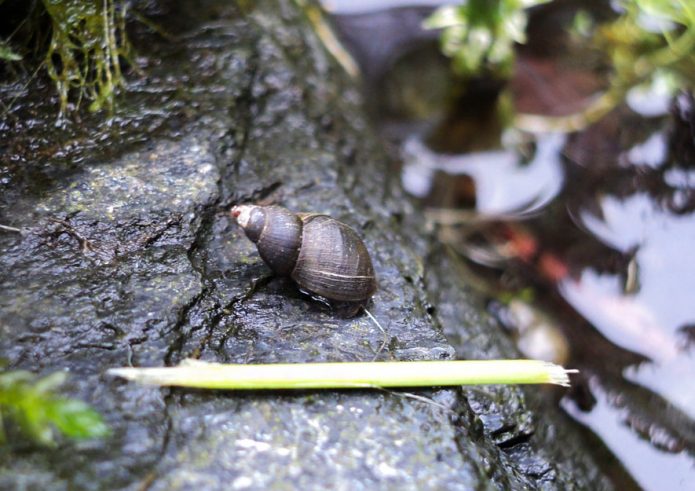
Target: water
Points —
{"points": [[527, 186], [584, 241]]}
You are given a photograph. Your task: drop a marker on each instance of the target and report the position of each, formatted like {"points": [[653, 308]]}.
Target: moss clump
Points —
{"points": [[87, 45], [83, 52]]}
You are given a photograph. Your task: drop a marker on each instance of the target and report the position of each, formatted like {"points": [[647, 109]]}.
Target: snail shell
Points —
{"points": [[321, 254]]}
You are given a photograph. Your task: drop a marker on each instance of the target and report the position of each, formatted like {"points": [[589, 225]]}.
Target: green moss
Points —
{"points": [[80, 43], [87, 45]]}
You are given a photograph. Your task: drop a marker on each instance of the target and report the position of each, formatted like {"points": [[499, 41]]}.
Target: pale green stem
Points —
{"points": [[203, 375]]}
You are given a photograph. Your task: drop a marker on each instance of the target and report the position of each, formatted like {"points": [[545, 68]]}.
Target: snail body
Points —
{"points": [[321, 254]]}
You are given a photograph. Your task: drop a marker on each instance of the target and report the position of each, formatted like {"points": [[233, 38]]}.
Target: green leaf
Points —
{"points": [[446, 16], [34, 408], [75, 419]]}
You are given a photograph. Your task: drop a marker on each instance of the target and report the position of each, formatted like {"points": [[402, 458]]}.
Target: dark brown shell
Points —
{"points": [[333, 261], [322, 255]]}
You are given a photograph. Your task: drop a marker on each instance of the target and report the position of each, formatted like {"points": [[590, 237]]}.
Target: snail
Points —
{"points": [[322, 255]]}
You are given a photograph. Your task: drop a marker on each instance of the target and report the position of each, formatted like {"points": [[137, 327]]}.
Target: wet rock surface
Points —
{"points": [[127, 256]]}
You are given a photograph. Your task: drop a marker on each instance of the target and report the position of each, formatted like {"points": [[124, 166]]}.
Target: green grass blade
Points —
{"points": [[203, 375]]}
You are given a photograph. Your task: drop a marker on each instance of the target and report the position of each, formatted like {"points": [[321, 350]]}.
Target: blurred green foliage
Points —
{"points": [[650, 47], [31, 404], [651, 38], [479, 35], [649, 43]]}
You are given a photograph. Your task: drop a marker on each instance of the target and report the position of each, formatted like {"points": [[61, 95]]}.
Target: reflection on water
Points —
{"points": [[585, 241], [526, 186], [653, 469], [651, 152], [651, 319]]}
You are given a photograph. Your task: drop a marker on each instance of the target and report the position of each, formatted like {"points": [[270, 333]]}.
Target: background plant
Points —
{"points": [[479, 35], [30, 404], [648, 43]]}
